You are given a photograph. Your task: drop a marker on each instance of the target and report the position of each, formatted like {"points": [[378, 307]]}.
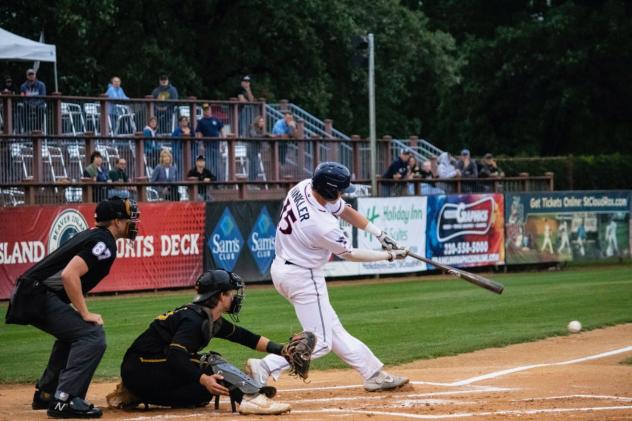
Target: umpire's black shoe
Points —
{"points": [[41, 400], [73, 408]]}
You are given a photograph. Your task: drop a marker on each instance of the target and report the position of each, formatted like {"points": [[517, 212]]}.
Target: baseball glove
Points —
{"points": [[298, 353]]}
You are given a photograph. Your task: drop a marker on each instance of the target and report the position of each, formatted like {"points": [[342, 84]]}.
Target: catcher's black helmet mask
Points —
{"points": [[218, 280]]}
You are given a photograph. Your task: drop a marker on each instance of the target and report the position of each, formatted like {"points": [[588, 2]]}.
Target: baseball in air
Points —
{"points": [[574, 326]]}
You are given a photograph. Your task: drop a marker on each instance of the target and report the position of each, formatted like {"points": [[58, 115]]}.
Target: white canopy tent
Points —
{"points": [[15, 47]]}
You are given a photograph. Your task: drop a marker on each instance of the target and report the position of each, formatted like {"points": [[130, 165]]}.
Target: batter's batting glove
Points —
{"points": [[397, 254], [387, 242]]}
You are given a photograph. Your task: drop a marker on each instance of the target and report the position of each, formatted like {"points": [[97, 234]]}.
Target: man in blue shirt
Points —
{"points": [[209, 126], [35, 109], [284, 128]]}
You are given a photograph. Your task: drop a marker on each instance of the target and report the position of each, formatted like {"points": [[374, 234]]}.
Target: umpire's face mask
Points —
{"points": [[134, 219]]}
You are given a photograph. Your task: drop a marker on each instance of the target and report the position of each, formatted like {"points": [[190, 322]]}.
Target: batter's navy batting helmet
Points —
{"points": [[330, 179], [218, 280]]}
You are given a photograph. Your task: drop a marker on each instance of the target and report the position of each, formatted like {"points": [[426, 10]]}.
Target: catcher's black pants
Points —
{"points": [[152, 381], [76, 352]]}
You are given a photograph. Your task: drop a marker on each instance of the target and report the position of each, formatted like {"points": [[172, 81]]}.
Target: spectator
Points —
{"points": [[33, 87], [426, 170], [95, 169], [115, 91], [183, 130], [466, 166], [95, 172], [8, 87], [209, 126], [396, 171], [166, 173], [413, 168], [257, 131], [118, 175], [468, 169], [34, 108], [164, 112], [244, 94], [151, 146], [284, 128], [201, 173], [487, 167], [446, 168], [165, 91]]}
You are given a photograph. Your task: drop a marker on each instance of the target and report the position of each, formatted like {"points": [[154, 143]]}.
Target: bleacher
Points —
{"points": [[44, 148]]}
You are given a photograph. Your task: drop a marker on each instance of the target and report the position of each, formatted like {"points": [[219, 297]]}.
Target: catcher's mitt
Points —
{"points": [[298, 353]]}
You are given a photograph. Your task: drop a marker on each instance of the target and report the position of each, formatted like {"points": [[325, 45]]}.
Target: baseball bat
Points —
{"points": [[477, 280]]}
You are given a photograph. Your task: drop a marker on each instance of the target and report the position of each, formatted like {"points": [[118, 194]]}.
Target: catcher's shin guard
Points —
{"points": [[234, 377]]}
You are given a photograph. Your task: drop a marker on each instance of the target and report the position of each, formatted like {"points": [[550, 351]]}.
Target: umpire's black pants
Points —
{"points": [[153, 382], [77, 351]]}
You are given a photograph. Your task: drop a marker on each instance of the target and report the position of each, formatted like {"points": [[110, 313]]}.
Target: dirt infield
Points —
{"points": [[571, 377]]}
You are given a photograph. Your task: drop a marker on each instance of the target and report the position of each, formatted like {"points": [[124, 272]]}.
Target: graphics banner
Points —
{"points": [[567, 226], [165, 254], [466, 230], [239, 236]]}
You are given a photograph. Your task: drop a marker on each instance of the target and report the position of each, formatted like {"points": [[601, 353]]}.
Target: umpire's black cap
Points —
{"points": [[114, 208]]}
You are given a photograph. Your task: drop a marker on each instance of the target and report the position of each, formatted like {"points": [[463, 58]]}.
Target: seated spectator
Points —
{"points": [[34, 107], [398, 170], [446, 168], [210, 126], [426, 170], [115, 91], [165, 91], [487, 167], [413, 168], [466, 165], [257, 130], [118, 175], [95, 172], [284, 128], [201, 173], [151, 146], [95, 169], [165, 172]]}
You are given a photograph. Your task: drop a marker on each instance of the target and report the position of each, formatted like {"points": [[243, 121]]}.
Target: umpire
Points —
{"points": [[42, 298]]}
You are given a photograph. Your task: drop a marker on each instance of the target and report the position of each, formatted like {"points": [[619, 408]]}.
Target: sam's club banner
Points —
{"points": [[239, 236], [567, 226], [466, 230]]}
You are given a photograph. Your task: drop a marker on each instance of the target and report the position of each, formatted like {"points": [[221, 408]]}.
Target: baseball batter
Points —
{"points": [[307, 234]]}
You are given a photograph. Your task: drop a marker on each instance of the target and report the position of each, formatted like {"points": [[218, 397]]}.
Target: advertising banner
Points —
{"points": [[165, 254], [567, 226], [405, 221], [239, 236], [466, 230]]}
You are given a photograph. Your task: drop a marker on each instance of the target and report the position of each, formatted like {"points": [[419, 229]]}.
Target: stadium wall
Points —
{"points": [[178, 240]]}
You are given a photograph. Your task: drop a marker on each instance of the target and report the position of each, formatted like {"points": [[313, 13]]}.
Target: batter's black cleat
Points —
{"points": [[41, 400], [73, 408]]}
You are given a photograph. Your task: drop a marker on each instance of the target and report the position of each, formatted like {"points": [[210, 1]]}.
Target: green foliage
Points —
{"points": [[399, 321], [533, 77], [585, 172]]}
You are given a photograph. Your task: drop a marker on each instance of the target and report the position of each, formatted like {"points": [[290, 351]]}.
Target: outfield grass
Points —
{"points": [[401, 321]]}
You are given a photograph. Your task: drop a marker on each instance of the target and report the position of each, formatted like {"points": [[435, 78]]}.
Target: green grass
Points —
{"points": [[400, 321]]}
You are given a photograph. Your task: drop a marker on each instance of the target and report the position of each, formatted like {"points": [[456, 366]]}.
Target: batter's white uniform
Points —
{"points": [[306, 236]]}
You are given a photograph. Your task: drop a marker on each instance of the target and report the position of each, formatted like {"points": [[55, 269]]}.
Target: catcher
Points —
{"points": [[163, 366]]}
